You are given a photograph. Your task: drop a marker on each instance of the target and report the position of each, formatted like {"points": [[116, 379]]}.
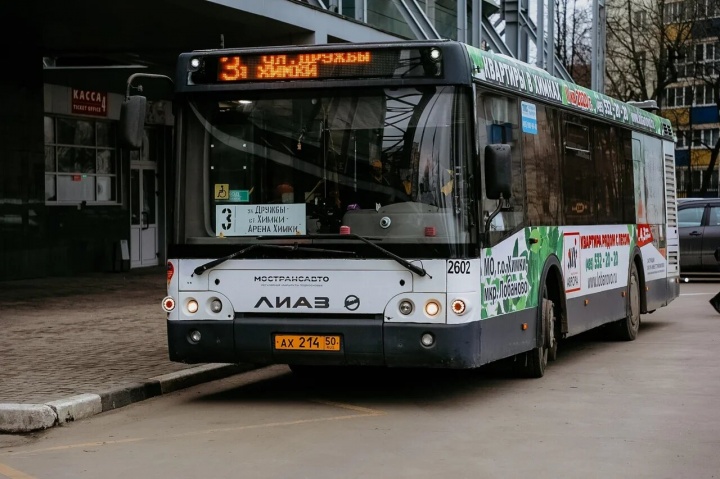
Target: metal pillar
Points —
{"points": [[361, 10], [597, 71], [476, 31], [516, 29], [511, 15], [550, 52], [540, 36], [461, 13]]}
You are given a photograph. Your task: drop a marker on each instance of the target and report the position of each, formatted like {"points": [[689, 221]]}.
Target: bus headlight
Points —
{"points": [[432, 308], [192, 306], [406, 307]]}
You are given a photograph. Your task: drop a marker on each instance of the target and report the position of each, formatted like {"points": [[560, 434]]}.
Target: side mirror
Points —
{"points": [[498, 173], [132, 122]]}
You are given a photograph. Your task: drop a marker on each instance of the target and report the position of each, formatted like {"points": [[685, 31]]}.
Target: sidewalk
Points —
{"points": [[77, 346]]}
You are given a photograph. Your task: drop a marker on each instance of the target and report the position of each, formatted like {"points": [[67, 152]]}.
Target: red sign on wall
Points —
{"points": [[88, 102]]}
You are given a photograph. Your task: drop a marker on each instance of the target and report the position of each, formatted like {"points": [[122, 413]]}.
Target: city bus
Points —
{"points": [[410, 204]]}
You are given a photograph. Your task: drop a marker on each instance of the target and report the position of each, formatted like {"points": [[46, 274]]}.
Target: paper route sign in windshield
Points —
{"points": [[255, 220]]}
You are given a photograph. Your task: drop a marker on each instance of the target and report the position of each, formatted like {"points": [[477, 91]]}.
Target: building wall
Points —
{"points": [[42, 233], [691, 104], [23, 235]]}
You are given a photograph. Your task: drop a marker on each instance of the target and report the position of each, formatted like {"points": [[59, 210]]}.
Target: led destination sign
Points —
{"points": [[284, 67], [315, 65]]}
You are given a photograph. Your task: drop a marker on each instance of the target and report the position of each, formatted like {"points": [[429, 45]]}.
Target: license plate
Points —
{"points": [[307, 342]]}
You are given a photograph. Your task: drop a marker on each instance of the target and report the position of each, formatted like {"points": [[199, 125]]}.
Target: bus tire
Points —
{"points": [[532, 364], [627, 328], [550, 338]]}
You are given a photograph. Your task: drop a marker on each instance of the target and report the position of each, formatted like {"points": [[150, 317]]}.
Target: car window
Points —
{"points": [[714, 219], [691, 216]]}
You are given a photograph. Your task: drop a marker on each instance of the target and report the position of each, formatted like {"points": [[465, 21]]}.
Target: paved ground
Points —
{"points": [[65, 336], [101, 335], [646, 409], [93, 343]]}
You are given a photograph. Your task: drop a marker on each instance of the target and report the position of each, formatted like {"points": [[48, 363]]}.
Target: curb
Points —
{"points": [[18, 418]]}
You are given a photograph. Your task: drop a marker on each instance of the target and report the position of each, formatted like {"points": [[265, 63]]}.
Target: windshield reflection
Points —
{"points": [[378, 161]]}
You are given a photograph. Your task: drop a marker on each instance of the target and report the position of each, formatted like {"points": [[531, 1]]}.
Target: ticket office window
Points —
{"points": [[81, 161]]}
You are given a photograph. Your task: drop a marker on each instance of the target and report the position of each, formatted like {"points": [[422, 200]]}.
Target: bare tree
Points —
{"points": [[572, 41], [656, 44], [642, 49]]}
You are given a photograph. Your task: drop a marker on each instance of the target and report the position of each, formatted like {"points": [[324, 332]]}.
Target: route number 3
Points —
{"points": [[459, 267], [228, 219]]}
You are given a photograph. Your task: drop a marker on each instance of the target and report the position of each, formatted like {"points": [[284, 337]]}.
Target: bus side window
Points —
{"points": [[541, 162], [498, 123], [578, 173]]}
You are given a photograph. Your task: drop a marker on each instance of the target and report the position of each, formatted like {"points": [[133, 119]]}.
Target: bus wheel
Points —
{"points": [[532, 364], [550, 339], [627, 328]]}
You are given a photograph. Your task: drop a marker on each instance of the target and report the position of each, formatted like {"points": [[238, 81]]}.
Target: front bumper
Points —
{"points": [[367, 342]]}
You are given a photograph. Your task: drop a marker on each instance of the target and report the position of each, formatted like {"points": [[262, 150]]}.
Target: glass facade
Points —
{"points": [[385, 15]]}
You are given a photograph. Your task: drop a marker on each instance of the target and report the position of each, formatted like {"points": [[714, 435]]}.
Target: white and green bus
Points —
{"points": [[413, 204]]}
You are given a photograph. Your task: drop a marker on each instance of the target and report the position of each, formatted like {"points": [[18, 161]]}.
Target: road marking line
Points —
{"points": [[276, 424], [696, 294], [11, 473], [364, 412], [74, 446]]}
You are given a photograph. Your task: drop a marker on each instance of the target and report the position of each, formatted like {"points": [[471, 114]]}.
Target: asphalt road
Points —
{"points": [[643, 409]]}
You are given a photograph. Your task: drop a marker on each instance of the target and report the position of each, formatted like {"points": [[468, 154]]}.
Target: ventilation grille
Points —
{"points": [[671, 191], [667, 130], [673, 253]]}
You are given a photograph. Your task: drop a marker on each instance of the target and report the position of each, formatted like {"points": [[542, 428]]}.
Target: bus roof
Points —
{"points": [[498, 71], [519, 77]]}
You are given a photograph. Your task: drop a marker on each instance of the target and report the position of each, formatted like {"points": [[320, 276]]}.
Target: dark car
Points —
{"points": [[699, 223]]}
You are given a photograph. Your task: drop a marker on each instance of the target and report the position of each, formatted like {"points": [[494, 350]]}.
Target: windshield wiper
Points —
{"points": [[211, 264], [418, 270]]}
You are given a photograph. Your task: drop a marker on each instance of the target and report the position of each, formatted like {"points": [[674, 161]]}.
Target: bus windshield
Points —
{"points": [[391, 164]]}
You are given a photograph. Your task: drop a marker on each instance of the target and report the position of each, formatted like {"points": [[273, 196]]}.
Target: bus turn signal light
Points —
{"points": [[168, 304], [458, 306]]}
